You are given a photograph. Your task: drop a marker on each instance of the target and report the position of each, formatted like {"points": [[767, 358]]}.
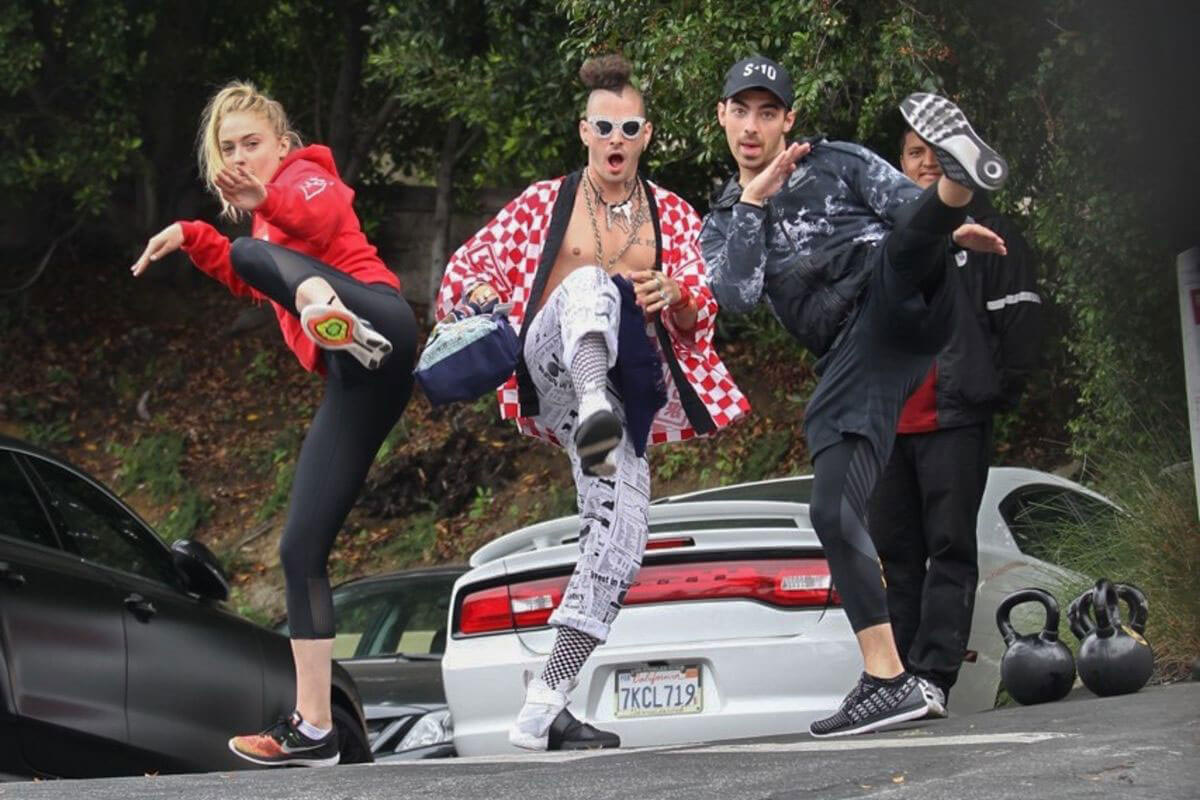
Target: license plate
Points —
{"points": [[659, 691]]}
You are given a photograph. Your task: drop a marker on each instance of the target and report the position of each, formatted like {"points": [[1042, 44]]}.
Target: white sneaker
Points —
{"points": [[531, 730], [935, 698]]}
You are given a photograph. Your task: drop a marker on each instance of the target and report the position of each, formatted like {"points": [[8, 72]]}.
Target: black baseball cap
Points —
{"points": [[759, 72]]}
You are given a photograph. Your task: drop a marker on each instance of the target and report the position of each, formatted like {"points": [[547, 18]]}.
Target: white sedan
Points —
{"points": [[732, 628]]}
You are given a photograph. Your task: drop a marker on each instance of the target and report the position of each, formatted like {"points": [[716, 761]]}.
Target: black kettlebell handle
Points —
{"points": [[1049, 631], [1107, 608], [1139, 607], [1078, 615]]}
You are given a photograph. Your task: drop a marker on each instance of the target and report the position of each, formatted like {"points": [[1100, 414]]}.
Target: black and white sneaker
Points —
{"points": [[964, 157], [596, 440], [283, 745], [873, 704], [936, 699]]}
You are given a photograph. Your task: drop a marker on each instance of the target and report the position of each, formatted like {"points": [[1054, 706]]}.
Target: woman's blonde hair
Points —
{"points": [[233, 97]]}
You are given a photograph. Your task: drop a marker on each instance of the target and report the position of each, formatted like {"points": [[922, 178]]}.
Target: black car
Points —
{"points": [[390, 635], [116, 655]]}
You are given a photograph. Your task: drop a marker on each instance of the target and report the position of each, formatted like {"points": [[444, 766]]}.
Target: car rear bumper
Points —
{"points": [[752, 686]]}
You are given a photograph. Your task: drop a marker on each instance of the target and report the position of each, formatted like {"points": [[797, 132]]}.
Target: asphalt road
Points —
{"points": [[1141, 745]]}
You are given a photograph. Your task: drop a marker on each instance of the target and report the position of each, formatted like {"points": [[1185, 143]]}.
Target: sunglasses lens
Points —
{"points": [[603, 127], [630, 128]]}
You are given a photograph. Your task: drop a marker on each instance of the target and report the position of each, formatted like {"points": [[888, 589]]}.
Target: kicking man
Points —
{"points": [[850, 255], [604, 273]]}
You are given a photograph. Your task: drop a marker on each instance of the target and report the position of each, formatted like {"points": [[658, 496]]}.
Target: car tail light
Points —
{"points": [[667, 544], [790, 583], [785, 583], [486, 611]]}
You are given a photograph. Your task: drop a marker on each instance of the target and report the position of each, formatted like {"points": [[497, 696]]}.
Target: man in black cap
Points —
{"points": [[850, 255]]}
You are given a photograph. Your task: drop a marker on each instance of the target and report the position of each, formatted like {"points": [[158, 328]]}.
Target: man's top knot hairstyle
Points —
{"points": [[611, 72]]}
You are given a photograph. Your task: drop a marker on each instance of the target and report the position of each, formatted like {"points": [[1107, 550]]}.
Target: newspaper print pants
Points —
{"points": [[614, 512]]}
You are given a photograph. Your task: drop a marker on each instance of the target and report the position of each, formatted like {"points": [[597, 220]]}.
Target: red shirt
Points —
{"points": [[307, 209], [919, 414]]}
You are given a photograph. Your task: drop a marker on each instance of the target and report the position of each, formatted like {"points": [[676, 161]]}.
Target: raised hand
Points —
{"points": [[166, 241], [973, 236], [240, 188], [768, 182]]}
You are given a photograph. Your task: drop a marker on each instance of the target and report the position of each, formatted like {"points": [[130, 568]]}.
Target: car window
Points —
{"points": [[21, 515], [1039, 515], [98, 530], [405, 616]]}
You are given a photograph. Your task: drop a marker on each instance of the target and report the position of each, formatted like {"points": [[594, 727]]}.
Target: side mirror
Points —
{"points": [[201, 570]]}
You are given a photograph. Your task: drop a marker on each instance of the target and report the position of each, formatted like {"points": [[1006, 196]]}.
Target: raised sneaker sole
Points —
{"points": [[596, 442], [338, 329], [876, 724], [332, 761], [965, 158]]}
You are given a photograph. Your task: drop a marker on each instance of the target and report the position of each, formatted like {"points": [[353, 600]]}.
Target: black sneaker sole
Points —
{"points": [[597, 437], [964, 157]]}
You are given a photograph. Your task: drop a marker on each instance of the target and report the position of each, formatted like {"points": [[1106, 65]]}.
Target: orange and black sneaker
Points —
{"points": [[333, 328], [283, 745]]}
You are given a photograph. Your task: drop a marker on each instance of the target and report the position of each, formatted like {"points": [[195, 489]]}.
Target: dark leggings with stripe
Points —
{"points": [[359, 408], [845, 473]]}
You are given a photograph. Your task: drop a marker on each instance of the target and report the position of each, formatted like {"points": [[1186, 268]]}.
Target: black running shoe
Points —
{"points": [[568, 733], [595, 440], [964, 157], [283, 744], [872, 705]]}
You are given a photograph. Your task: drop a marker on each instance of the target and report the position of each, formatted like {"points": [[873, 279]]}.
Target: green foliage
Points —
{"points": [[669, 462], [766, 455], [49, 434], [262, 368], [152, 462], [285, 473], [481, 504], [414, 544], [189, 512], [1155, 545]]}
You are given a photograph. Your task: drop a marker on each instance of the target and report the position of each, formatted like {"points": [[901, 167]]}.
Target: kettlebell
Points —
{"points": [[1079, 612], [1115, 658], [1036, 667]]}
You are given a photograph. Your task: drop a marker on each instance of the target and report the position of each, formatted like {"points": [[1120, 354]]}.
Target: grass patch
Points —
{"points": [[48, 434], [151, 462], [1155, 546], [414, 544]]}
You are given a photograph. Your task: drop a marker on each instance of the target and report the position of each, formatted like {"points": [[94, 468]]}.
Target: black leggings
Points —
{"points": [[358, 410], [843, 477], [894, 338]]}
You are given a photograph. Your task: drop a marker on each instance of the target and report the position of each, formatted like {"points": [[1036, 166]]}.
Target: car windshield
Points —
{"points": [[401, 617]]}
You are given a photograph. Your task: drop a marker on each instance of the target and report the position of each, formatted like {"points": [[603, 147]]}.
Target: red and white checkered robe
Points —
{"points": [[505, 254]]}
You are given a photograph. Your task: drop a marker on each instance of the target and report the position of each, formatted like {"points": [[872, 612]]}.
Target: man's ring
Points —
{"points": [[658, 283], [661, 297]]}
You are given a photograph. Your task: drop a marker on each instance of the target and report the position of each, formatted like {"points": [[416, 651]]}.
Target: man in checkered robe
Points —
{"points": [[605, 277]]}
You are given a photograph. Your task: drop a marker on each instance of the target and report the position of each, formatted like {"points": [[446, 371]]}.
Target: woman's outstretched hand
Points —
{"points": [[165, 242], [241, 189]]}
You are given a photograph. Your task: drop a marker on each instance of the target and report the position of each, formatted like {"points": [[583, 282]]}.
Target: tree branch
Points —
{"points": [[41, 267]]}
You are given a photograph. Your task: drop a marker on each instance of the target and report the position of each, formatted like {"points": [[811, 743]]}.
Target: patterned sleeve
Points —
{"points": [[881, 186], [735, 252], [488, 256], [683, 261]]}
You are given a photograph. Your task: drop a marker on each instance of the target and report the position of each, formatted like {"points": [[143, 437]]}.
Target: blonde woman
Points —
{"points": [[341, 312]]}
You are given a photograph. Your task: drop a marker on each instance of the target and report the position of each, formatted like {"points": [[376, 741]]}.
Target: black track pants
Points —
{"points": [[923, 519], [359, 408]]}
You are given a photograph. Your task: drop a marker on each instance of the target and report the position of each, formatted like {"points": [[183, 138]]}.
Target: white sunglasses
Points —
{"points": [[630, 127]]}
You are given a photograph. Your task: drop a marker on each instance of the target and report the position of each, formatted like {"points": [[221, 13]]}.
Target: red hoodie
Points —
{"points": [[307, 209]]}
